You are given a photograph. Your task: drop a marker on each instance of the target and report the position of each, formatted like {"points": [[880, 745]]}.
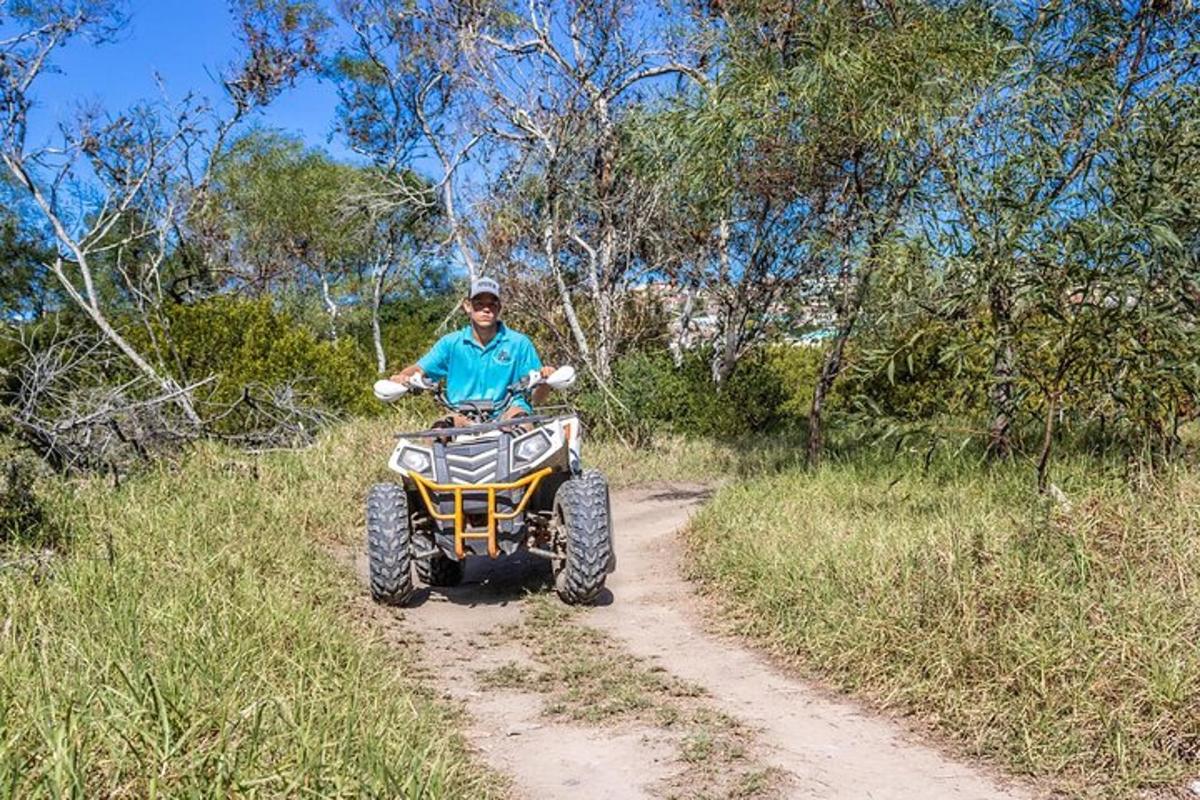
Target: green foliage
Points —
{"points": [[23, 518], [26, 287], [247, 342], [769, 390], [409, 324], [924, 371], [795, 370]]}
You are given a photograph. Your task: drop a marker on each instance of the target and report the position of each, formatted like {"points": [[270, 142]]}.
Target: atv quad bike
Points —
{"points": [[489, 489]]}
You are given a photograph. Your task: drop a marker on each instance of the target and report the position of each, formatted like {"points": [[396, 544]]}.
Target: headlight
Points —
{"points": [[532, 447], [414, 460]]}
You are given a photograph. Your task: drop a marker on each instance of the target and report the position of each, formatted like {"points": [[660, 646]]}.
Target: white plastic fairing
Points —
{"points": [[561, 378]]}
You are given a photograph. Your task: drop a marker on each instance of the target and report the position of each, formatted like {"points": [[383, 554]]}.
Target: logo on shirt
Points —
{"points": [[503, 357]]}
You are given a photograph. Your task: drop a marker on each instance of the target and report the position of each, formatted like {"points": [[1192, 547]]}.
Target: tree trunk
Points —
{"points": [[728, 344], [564, 294], [825, 380], [1002, 393], [680, 340], [167, 384], [721, 364], [848, 312], [376, 331], [1043, 464], [330, 306], [450, 207], [603, 266]]}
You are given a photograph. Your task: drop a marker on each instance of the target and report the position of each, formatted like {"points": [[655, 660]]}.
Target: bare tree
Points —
{"points": [[398, 83], [553, 84], [145, 167]]}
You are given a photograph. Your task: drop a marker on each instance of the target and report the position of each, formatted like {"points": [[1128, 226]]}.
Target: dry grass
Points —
{"points": [[1061, 640]]}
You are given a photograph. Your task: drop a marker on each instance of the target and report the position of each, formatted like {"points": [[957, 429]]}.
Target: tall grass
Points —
{"points": [[197, 640], [671, 457], [1060, 638]]}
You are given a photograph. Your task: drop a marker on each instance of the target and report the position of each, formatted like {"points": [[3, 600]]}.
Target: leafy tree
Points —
{"points": [[1028, 162], [281, 213], [813, 143], [148, 163]]}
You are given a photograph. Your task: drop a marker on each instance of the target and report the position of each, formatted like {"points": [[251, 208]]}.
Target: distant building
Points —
{"points": [[805, 319]]}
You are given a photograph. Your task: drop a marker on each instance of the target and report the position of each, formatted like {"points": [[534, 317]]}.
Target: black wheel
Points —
{"points": [[438, 570], [388, 539], [583, 537]]}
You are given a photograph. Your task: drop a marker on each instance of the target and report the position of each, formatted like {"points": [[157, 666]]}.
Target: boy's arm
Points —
{"points": [[432, 364], [533, 362]]}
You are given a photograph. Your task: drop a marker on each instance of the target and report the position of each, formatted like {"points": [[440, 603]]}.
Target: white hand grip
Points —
{"points": [[561, 378], [387, 391]]}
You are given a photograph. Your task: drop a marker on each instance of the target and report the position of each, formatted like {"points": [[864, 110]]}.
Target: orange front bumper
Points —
{"points": [[461, 532]]}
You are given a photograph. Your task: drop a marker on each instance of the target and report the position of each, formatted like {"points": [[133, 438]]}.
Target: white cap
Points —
{"points": [[484, 286]]}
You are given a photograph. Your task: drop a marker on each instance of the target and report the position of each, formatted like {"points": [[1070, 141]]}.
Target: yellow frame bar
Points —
{"points": [[425, 486]]}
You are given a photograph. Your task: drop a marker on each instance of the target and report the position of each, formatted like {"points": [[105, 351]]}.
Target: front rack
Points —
{"points": [[529, 483], [485, 427]]}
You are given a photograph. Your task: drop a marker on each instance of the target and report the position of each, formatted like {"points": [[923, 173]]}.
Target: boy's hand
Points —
{"points": [[548, 371], [404, 375]]}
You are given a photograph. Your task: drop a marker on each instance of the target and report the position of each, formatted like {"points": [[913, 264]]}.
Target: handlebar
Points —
{"points": [[389, 391]]}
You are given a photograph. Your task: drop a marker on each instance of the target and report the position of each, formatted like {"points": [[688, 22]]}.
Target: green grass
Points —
{"points": [[676, 458], [1061, 640], [197, 639]]}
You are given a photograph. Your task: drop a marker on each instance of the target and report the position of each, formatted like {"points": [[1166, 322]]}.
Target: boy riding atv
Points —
{"points": [[480, 361], [492, 477]]}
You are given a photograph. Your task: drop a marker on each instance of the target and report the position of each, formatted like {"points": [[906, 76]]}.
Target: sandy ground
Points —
{"points": [[818, 746]]}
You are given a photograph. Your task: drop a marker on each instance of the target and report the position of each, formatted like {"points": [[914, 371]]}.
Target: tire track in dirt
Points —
{"points": [[817, 747], [832, 749], [460, 631]]}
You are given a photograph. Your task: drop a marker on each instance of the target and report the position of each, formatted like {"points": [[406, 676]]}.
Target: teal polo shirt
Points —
{"points": [[471, 371]]}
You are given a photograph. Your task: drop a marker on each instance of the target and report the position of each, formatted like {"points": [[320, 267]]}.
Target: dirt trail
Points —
{"points": [[818, 747]]}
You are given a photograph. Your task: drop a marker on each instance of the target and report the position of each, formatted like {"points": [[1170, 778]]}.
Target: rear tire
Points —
{"points": [[439, 570], [389, 537], [583, 537]]}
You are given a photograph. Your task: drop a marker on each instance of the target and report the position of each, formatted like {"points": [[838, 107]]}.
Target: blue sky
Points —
{"points": [[186, 42]]}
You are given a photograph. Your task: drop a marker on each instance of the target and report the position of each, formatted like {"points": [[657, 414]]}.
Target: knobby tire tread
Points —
{"points": [[584, 504], [388, 538], [438, 570]]}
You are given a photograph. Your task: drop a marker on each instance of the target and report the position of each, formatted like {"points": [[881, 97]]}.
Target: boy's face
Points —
{"points": [[483, 309]]}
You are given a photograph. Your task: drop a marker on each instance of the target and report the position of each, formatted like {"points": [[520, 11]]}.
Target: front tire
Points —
{"points": [[389, 538], [583, 537], [438, 570]]}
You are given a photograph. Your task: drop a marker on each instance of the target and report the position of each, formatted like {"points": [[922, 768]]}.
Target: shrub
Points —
{"points": [[22, 516], [930, 370], [656, 395], [248, 342], [795, 370]]}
